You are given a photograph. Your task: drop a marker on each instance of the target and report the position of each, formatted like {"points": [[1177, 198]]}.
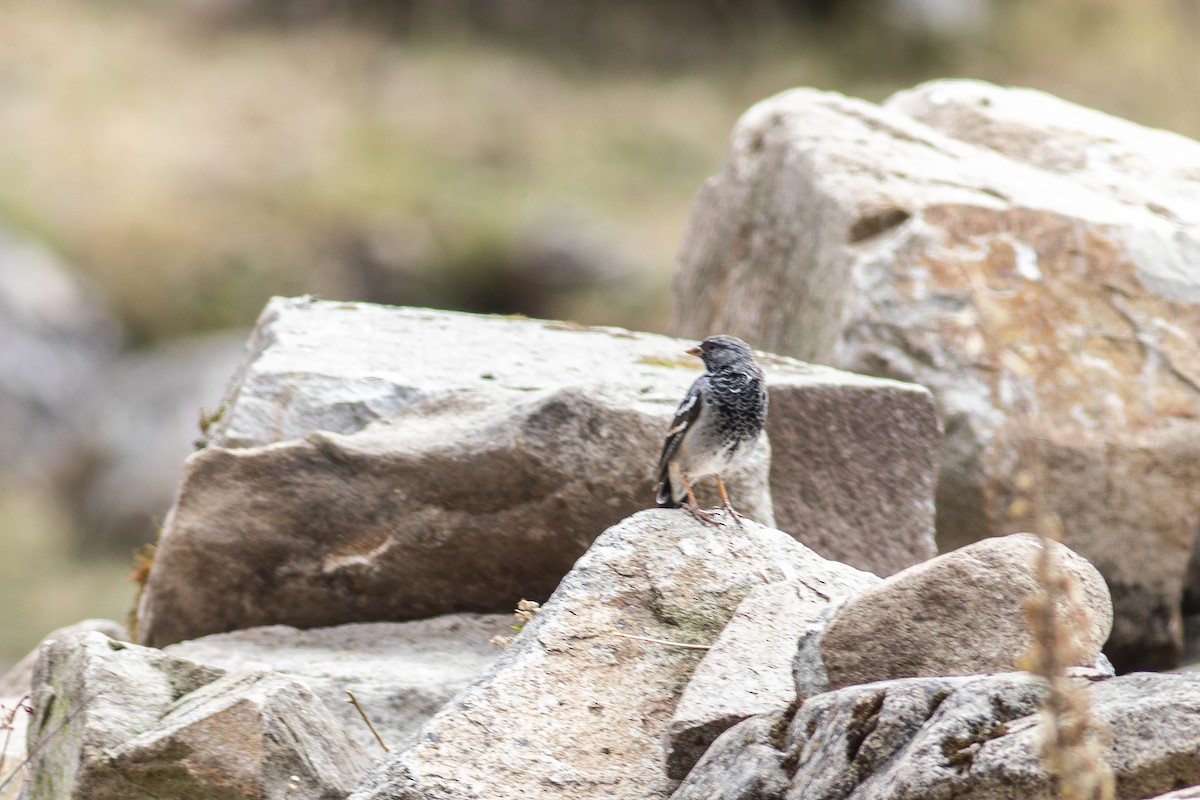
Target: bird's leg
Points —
{"points": [[725, 501], [694, 508]]}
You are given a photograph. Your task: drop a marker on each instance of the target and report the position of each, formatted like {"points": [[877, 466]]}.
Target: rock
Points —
{"points": [[576, 708], [744, 763], [854, 469], [1029, 261], [19, 679], [943, 738], [118, 719], [16, 687], [56, 336], [366, 459], [856, 741], [982, 739], [977, 737], [1190, 793], [748, 671], [962, 613], [140, 423], [400, 672]]}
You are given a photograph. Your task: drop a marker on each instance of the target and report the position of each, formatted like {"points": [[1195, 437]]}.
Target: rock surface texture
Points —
{"points": [[748, 671], [116, 720], [961, 613], [400, 672], [575, 708], [1030, 261], [944, 738], [374, 463]]}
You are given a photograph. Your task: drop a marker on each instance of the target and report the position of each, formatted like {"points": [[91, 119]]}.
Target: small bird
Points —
{"points": [[717, 424]]}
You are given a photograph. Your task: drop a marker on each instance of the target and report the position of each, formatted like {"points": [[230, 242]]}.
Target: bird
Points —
{"points": [[716, 425]]}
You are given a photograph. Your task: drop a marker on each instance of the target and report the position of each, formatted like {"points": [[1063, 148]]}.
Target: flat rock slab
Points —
{"points": [[1032, 262], [373, 463], [575, 708], [400, 672]]}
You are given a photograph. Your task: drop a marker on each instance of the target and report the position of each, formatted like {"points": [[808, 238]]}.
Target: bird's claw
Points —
{"points": [[712, 516]]}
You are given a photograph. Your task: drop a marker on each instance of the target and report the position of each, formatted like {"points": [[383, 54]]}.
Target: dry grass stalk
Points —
{"points": [[1073, 739]]}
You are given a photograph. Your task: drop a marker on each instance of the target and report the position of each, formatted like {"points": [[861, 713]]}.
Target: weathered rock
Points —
{"points": [[140, 422], [854, 470], [376, 463], [400, 672], [117, 720], [16, 688], [744, 763], [748, 671], [1037, 273], [944, 738], [576, 708], [982, 738], [962, 613], [56, 336]]}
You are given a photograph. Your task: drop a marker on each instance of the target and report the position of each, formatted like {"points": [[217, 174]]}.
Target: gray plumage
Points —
{"points": [[719, 421]]}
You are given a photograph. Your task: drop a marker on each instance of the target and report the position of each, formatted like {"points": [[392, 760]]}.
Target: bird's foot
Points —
{"points": [[735, 515], [709, 516]]}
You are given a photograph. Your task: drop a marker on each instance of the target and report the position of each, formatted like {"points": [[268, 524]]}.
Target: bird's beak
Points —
{"points": [[693, 351]]}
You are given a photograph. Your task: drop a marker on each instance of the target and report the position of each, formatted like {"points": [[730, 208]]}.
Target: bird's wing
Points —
{"points": [[685, 415]]}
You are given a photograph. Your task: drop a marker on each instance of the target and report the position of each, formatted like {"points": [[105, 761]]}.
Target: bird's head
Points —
{"points": [[721, 351]]}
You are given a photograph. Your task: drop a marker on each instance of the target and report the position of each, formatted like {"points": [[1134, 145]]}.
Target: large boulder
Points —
{"points": [[373, 463], [1032, 262], [943, 738], [961, 613], [400, 672], [115, 720], [578, 704]]}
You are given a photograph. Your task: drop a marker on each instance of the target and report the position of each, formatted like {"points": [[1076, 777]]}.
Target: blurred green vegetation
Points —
{"points": [[193, 158]]}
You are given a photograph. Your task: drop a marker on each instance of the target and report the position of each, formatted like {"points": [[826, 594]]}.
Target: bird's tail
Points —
{"points": [[666, 493]]}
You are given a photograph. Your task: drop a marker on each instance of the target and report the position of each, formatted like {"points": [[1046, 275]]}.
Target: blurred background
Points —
{"points": [[167, 165]]}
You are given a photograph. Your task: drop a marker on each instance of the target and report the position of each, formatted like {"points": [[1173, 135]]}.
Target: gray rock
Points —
{"points": [[744, 763], [961, 613], [57, 336], [942, 239], [916, 738], [114, 719], [945, 738], [375, 463], [400, 672], [748, 671], [854, 469], [576, 708]]}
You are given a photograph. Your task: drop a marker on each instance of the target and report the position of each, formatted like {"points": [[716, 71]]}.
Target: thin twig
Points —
{"points": [[352, 700], [7, 727], [667, 642]]}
